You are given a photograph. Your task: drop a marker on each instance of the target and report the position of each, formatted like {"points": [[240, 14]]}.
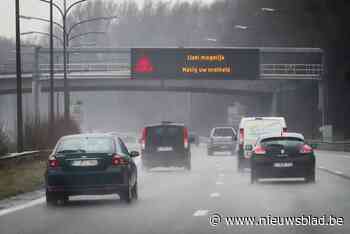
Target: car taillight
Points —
{"points": [[241, 136], [305, 149], [53, 162], [143, 139], [259, 150], [119, 160], [186, 138]]}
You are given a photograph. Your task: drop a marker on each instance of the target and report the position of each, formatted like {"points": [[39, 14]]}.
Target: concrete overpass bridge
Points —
{"points": [[281, 70]]}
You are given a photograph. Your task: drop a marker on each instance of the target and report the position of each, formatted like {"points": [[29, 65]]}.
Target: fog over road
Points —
{"points": [[178, 201]]}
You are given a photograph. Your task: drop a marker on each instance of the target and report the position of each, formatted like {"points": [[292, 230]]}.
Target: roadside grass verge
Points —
{"points": [[23, 177]]}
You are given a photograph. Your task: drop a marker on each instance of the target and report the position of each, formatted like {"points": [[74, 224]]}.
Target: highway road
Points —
{"points": [[176, 201]]}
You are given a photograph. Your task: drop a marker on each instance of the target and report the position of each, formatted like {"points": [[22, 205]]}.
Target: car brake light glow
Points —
{"points": [[241, 136], [305, 149], [186, 138], [259, 150], [119, 160], [53, 162]]}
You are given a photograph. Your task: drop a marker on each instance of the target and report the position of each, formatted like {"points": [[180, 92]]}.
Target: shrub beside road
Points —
{"points": [[26, 173], [22, 174]]}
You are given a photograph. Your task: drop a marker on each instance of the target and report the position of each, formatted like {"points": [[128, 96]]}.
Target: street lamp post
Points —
{"points": [[65, 81], [64, 13], [65, 41], [19, 82], [52, 112]]}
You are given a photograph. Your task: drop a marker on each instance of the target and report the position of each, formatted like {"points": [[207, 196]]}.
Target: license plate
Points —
{"points": [[84, 163], [283, 164], [165, 148]]}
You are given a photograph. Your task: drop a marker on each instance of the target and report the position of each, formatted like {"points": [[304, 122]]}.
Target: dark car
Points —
{"points": [[282, 156], [222, 139], [90, 164], [165, 144]]}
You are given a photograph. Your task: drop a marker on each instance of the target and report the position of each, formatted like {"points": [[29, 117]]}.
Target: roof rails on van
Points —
{"points": [[167, 122]]}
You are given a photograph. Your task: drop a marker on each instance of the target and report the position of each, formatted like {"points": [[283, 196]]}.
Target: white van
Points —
{"points": [[250, 128]]}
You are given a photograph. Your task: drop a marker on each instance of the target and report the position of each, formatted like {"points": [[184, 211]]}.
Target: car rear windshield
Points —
{"points": [[256, 128], [282, 141], [224, 132], [86, 144], [165, 136], [129, 139]]}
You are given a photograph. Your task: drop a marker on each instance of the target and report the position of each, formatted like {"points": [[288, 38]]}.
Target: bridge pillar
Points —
{"points": [[322, 102], [274, 103]]}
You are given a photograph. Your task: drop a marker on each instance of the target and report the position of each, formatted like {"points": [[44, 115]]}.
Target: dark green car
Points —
{"points": [[90, 164], [282, 156]]}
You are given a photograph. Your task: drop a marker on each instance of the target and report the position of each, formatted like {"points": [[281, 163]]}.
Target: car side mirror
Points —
{"points": [[314, 145], [134, 154]]}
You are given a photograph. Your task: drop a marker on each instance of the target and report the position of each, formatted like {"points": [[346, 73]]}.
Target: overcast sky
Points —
{"points": [[32, 8]]}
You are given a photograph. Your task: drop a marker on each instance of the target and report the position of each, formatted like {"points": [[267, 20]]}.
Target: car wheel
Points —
{"points": [[127, 195], [65, 198], [311, 177], [188, 165], [135, 192], [51, 198]]}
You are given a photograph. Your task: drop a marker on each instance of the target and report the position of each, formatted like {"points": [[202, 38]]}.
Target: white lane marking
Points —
{"points": [[219, 182], [215, 195], [24, 206], [201, 213], [321, 167], [339, 172]]}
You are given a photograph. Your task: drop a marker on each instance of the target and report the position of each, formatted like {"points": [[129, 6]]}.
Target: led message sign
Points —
{"points": [[195, 63]]}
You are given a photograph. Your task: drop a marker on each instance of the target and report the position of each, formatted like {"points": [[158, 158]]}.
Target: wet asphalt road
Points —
{"points": [[176, 201]]}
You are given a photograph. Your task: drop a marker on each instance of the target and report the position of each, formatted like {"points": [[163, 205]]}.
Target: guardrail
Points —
{"points": [[332, 146], [73, 67], [28, 155], [81, 67], [307, 70], [17, 155], [11, 68]]}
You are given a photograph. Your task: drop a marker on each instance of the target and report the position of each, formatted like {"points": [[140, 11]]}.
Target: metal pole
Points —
{"points": [[52, 114], [19, 82], [58, 105], [66, 89], [36, 86]]}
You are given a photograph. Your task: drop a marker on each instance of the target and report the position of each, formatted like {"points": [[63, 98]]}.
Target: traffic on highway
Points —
{"points": [[174, 117]]}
